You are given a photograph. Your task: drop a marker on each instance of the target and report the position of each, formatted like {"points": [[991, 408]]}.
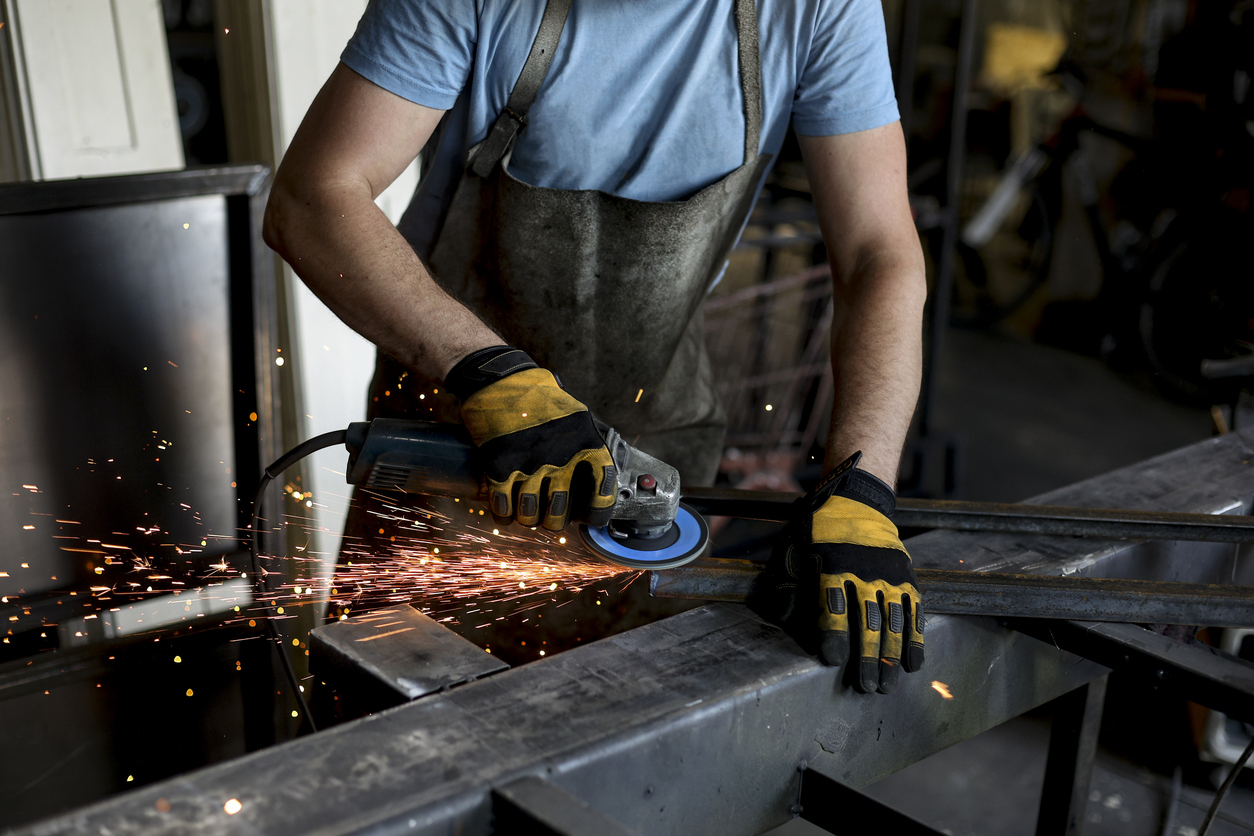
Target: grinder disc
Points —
{"points": [[685, 541]]}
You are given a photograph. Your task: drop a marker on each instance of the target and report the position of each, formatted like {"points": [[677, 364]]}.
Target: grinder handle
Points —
{"points": [[414, 456]]}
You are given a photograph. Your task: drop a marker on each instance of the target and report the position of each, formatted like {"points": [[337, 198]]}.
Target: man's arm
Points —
{"points": [[859, 185], [354, 141]]}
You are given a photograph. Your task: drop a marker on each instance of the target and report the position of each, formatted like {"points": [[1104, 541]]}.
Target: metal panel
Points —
{"points": [[113, 276], [115, 329]]}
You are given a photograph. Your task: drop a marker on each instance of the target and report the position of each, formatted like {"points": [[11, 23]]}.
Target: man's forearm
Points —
{"points": [[876, 362], [348, 253]]}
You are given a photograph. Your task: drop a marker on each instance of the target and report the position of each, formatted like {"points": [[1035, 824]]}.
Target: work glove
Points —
{"points": [[543, 453], [839, 566]]}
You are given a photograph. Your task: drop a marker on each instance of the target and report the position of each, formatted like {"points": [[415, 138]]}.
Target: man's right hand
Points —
{"points": [[532, 438]]}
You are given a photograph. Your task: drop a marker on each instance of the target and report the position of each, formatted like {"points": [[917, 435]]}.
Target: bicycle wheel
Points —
{"points": [[1199, 306]]}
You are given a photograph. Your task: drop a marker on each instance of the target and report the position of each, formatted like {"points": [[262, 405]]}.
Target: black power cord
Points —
{"points": [[1227, 784], [285, 461]]}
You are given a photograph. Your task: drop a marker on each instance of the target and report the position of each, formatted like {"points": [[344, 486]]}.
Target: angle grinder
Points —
{"points": [[650, 529]]}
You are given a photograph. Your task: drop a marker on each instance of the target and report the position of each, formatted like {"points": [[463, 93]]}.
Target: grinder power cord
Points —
{"points": [[839, 568]]}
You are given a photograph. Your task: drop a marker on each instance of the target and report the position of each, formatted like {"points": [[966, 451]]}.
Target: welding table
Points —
{"points": [[714, 722]]}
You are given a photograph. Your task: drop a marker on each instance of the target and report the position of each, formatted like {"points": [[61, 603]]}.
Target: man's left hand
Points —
{"points": [[839, 566]]}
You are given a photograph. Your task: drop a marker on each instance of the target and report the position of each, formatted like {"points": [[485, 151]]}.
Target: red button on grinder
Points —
{"points": [[646, 482]]}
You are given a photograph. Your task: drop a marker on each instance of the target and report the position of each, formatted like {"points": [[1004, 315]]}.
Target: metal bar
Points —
{"points": [[1202, 673], [532, 806], [907, 56], [998, 516], [840, 809], [1069, 767], [999, 595], [50, 195], [953, 194]]}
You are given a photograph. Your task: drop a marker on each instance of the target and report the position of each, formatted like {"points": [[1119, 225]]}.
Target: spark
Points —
{"points": [[232, 805], [638, 394], [942, 689]]}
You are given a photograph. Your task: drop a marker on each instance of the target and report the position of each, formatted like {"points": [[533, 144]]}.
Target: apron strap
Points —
{"points": [[750, 74], [514, 117]]}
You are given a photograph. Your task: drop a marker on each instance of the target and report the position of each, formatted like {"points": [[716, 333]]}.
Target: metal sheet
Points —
{"points": [[403, 653], [117, 406]]}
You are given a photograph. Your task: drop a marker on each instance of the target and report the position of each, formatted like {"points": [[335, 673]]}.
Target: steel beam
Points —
{"points": [[997, 516], [1074, 597]]}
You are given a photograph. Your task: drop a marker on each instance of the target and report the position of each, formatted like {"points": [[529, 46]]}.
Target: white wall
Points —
{"points": [[335, 363]]}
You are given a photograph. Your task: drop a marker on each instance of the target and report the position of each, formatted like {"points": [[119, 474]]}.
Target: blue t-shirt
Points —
{"points": [[643, 98]]}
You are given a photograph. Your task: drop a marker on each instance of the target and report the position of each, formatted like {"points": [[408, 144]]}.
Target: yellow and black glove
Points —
{"points": [[839, 565], [543, 452]]}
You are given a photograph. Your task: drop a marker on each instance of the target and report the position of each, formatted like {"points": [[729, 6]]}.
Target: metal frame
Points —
{"points": [[254, 310], [255, 333], [704, 722]]}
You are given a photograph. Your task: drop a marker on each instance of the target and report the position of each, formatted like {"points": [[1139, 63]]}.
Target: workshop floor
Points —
{"points": [[1027, 419]]}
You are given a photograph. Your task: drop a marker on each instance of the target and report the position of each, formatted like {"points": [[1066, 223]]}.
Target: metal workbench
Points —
{"points": [[703, 722]]}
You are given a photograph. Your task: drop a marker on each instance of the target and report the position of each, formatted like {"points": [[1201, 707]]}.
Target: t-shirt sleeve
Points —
{"points": [[421, 50], [847, 82]]}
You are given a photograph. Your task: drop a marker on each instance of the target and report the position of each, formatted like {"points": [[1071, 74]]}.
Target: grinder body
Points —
{"points": [[441, 460]]}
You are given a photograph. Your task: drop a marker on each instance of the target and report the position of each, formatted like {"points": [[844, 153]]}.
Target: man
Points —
{"points": [[588, 169]]}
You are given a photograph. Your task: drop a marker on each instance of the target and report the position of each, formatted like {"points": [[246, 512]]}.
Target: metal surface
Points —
{"points": [[1077, 718], [389, 656], [117, 386], [697, 723], [532, 806], [840, 809], [1005, 596], [1013, 517]]}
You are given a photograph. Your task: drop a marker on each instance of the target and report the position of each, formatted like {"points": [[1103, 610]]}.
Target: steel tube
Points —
{"points": [[1006, 596], [998, 516]]}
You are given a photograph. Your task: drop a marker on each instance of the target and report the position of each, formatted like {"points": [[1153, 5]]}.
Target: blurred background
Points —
{"points": [[1080, 172]]}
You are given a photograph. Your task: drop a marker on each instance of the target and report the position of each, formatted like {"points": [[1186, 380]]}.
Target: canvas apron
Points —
{"points": [[602, 290]]}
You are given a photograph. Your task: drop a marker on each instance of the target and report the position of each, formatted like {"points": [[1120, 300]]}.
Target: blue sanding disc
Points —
{"points": [[685, 541]]}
